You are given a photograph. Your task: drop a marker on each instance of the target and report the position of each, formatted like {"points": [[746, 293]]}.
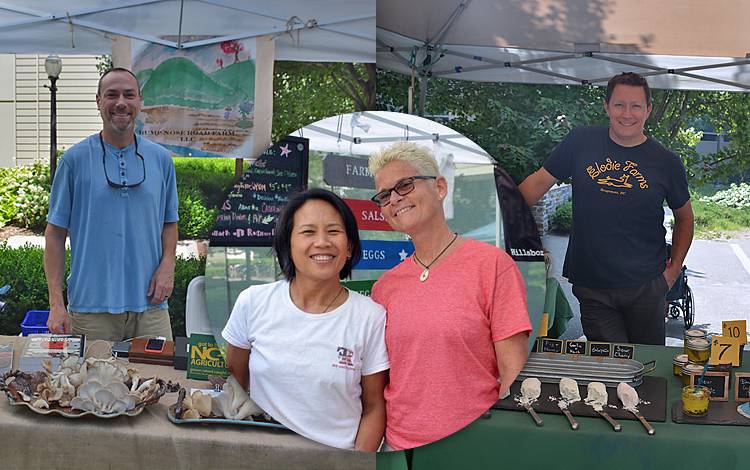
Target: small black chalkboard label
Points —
{"points": [[575, 347], [718, 382], [600, 349], [742, 386], [552, 345], [623, 351], [536, 345]]}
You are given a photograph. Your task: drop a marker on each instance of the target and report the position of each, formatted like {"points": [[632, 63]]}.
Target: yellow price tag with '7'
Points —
{"points": [[734, 330], [725, 351]]}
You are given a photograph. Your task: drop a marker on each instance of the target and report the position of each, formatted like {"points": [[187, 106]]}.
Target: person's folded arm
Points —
{"points": [[511, 354], [162, 280], [536, 185], [682, 238], [54, 270], [372, 424], [237, 363]]}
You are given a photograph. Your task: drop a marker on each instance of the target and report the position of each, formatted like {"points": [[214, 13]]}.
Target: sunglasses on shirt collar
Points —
{"points": [[104, 163]]}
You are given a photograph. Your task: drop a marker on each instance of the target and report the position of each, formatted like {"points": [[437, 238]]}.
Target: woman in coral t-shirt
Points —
{"points": [[457, 321]]}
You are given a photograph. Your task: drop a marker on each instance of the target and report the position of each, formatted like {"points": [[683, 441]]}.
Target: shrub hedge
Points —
{"points": [[23, 269], [202, 185], [24, 195], [562, 219]]}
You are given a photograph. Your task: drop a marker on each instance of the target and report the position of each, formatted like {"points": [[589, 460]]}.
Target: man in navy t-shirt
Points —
{"points": [[616, 258]]}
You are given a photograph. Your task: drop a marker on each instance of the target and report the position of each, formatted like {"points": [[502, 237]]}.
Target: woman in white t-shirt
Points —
{"points": [[312, 352]]}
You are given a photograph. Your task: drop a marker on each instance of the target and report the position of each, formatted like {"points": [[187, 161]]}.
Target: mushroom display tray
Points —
{"points": [[551, 367], [262, 424], [68, 412], [652, 389]]}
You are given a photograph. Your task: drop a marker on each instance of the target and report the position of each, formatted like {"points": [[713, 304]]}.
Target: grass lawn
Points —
{"points": [[713, 220]]}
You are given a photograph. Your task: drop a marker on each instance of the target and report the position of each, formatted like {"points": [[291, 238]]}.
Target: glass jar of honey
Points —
{"points": [[693, 333], [678, 362], [689, 370], [699, 350], [695, 400]]}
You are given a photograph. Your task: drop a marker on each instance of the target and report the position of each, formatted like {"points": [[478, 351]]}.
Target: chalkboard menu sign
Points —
{"points": [[600, 349], [350, 172], [575, 347], [742, 386], [623, 351], [552, 345], [718, 382], [248, 215]]}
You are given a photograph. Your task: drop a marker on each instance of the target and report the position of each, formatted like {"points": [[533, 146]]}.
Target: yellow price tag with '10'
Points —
{"points": [[725, 350], [734, 330]]}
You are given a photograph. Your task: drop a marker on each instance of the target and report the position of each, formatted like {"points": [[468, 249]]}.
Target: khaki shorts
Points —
{"points": [[122, 326]]}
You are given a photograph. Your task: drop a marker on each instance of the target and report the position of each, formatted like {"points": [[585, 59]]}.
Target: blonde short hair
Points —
{"points": [[418, 156]]}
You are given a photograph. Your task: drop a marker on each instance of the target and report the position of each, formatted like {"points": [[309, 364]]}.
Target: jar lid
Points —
{"points": [[692, 369], [719, 367], [680, 359], [699, 344], [695, 333]]}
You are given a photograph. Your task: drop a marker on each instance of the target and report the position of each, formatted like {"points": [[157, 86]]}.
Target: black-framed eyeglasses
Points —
{"points": [[104, 163], [402, 187]]}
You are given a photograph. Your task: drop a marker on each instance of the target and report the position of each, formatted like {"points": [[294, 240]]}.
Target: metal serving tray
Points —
{"points": [[551, 367]]}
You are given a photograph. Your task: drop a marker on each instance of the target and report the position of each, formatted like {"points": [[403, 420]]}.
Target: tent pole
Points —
{"points": [[238, 168], [179, 30], [422, 94], [410, 99]]}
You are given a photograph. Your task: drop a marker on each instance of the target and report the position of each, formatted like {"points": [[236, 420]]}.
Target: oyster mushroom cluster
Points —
{"points": [[101, 386], [104, 389], [233, 402]]}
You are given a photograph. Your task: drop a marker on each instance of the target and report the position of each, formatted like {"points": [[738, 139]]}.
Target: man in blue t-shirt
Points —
{"points": [[115, 195], [617, 259]]}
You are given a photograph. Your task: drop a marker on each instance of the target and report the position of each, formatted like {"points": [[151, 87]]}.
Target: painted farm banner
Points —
{"points": [[209, 101]]}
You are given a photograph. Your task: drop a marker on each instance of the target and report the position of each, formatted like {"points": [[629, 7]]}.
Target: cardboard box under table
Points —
{"points": [[150, 441]]}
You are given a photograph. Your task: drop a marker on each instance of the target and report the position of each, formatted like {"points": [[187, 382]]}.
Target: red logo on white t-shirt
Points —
{"points": [[346, 358]]}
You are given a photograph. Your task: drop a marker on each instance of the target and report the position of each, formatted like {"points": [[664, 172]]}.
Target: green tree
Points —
{"points": [[678, 117], [517, 124], [308, 92], [520, 124]]}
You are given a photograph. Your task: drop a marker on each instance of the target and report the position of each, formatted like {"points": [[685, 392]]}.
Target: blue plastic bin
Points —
{"points": [[35, 321]]}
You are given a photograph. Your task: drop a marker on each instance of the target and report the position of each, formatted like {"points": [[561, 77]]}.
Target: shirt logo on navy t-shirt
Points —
{"points": [[613, 174]]}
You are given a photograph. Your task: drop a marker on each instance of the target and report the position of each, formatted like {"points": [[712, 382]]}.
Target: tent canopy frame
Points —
{"points": [[74, 20]]}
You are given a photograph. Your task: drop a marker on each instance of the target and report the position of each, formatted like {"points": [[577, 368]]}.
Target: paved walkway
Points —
{"points": [[185, 248]]}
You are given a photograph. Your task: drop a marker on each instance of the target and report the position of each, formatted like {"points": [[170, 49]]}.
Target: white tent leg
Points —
{"points": [[422, 94]]}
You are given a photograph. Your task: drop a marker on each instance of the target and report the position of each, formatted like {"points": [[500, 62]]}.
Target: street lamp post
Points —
{"points": [[53, 67]]}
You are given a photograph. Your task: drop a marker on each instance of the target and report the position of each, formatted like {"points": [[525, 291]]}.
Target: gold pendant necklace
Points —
{"points": [[334, 299], [426, 272]]}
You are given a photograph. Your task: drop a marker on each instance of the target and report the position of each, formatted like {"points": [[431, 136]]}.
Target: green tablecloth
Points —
{"points": [[510, 440]]}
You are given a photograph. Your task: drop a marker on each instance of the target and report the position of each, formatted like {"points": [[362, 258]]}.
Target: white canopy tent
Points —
{"points": [[367, 132], [363, 134], [304, 30], [677, 44]]}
